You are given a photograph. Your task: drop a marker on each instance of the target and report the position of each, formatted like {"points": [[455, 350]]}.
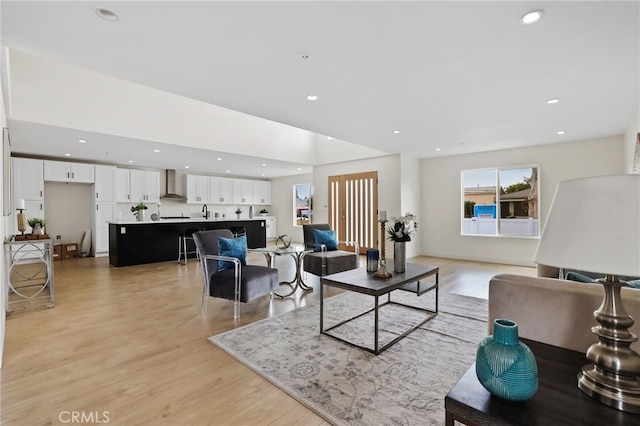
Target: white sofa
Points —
{"points": [[554, 311]]}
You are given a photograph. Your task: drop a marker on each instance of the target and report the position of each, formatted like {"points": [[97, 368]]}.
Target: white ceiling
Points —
{"points": [[453, 77]]}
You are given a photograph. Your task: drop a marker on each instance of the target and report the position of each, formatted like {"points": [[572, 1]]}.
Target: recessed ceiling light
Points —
{"points": [[395, 132], [531, 17], [131, 161], [107, 14], [156, 150], [561, 132], [228, 171], [329, 138], [437, 149], [263, 174], [219, 158], [312, 97], [82, 141], [264, 164], [553, 101], [67, 155], [299, 168], [186, 167]]}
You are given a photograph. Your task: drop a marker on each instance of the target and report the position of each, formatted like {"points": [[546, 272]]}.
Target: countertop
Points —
{"points": [[185, 220]]}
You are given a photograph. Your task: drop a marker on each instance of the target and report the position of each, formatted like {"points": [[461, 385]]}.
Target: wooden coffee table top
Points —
{"points": [[361, 281]]}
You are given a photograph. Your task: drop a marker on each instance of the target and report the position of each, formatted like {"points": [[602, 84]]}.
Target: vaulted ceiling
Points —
{"points": [[449, 77]]}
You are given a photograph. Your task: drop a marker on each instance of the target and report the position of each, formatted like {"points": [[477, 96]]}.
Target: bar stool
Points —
{"points": [[187, 235], [238, 231]]}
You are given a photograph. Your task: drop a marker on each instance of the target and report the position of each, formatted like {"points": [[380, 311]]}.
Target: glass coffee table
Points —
{"points": [[297, 253], [363, 282]]}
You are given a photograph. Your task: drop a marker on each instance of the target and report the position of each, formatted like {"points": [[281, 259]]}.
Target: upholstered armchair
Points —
{"points": [[323, 261], [240, 282]]}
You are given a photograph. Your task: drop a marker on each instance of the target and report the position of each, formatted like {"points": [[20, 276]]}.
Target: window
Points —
{"points": [[500, 201], [302, 204]]}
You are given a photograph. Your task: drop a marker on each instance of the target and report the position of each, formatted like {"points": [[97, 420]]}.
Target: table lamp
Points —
{"points": [[594, 226]]}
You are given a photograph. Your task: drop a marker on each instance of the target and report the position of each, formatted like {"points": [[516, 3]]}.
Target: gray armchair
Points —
{"points": [[325, 262], [242, 283]]}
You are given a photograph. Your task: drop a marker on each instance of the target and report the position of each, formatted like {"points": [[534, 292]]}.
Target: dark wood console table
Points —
{"points": [[557, 402]]}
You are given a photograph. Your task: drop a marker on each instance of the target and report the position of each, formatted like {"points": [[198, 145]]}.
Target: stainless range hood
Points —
{"points": [[170, 185]]}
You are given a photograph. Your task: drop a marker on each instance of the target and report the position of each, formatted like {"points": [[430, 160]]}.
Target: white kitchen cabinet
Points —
{"points": [[28, 185], [123, 186], [198, 189], [105, 212], [272, 231], [28, 179], [105, 183], [61, 171], [221, 190], [262, 192], [242, 191], [145, 186]]}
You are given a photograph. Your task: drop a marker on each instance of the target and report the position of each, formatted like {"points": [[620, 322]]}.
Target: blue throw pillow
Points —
{"points": [[634, 283], [232, 247], [576, 276], [328, 238]]}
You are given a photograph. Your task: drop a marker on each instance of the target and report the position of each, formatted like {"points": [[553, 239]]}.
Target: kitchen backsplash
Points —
{"points": [[173, 208]]}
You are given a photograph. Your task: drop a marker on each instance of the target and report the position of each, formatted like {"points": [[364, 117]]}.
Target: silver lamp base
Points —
{"points": [[620, 392], [614, 376]]}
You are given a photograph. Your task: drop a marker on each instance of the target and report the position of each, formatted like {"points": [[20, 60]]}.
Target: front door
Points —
{"points": [[353, 208]]}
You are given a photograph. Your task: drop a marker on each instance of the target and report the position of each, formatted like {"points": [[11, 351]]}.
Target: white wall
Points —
{"points": [[441, 202], [67, 210], [410, 201], [48, 92], [3, 233], [282, 204], [630, 142], [334, 150]]}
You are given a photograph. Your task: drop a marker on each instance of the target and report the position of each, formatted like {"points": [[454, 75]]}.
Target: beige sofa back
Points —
{"points": [[554, 311]]}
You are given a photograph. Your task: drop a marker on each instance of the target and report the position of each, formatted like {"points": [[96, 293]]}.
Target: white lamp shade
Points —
{"points": [[594, 226]]}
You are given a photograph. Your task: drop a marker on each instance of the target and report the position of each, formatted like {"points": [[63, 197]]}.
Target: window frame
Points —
{"points": [[296, 223], [497, 195]]}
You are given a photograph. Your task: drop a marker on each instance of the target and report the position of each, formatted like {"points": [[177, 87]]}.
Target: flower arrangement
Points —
{"points": [[402, 228], [138, 207]]}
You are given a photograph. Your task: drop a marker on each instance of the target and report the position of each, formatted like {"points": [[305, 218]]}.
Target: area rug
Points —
{"points": [[405, 385]]}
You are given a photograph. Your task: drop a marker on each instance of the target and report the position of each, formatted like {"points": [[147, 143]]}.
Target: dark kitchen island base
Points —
{"points": [[135, 243]]}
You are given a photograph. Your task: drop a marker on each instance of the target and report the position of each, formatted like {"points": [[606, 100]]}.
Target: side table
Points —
{"points": [[29, 274], [557, 402]]}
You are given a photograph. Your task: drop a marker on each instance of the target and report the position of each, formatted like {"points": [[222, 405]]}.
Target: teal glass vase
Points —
{"points": [[505, 366]]}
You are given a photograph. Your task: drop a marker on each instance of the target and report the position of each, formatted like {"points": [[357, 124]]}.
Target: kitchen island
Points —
{"points": [[135, 243]]}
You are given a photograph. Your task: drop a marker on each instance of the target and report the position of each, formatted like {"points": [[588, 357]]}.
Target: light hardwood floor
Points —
{"points": [[127, 346]]}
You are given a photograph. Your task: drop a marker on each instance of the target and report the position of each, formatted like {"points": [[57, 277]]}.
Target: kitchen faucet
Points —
{"points": [[205, 211]]}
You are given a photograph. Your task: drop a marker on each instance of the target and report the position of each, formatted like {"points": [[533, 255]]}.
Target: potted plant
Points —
{"points": [[400, 233], [37, 225], [263, 212], [138, 210], [238, 212]]}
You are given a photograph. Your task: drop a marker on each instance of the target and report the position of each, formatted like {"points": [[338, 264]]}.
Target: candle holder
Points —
{"points": [[382, 271], [22, 221]]}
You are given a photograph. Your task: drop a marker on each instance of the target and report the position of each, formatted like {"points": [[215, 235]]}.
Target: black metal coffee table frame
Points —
{"points": [[361, 281]]}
